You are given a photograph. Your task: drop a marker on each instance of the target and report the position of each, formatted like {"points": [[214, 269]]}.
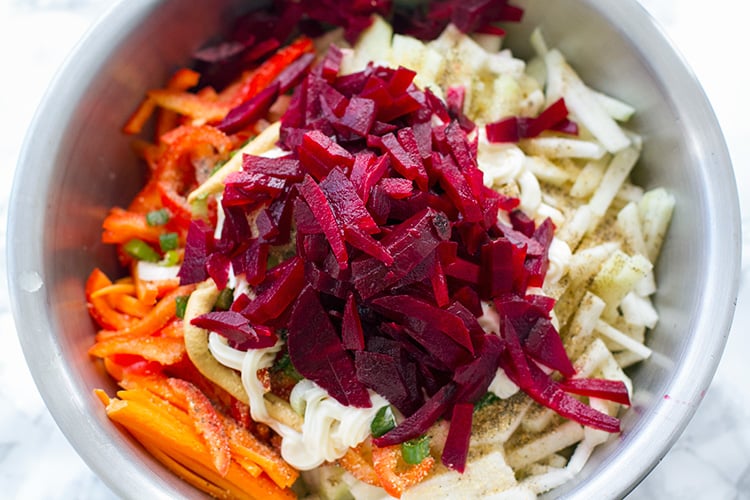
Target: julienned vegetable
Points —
{"points": [[394, 244]]}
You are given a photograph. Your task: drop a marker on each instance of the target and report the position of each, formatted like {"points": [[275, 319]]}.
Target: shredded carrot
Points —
{"points": [[157, 317], [149, 291], [180, 470], [114, 288], [177, 414], [139, 117], [182, 80], [185, 103], [164, 350], [102, 396], [121, 226], [158, 428], [244, 443], [129, 304]]}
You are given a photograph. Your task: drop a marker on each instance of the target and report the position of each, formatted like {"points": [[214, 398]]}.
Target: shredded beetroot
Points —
{"points": [[515, 128], [398, 243], [236, 329], [317, 353], [457, 443], [612, 390]]}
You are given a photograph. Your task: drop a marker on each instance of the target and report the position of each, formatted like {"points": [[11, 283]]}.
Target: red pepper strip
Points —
{"points": [[120, 366], [269, 70], [173, 176]]}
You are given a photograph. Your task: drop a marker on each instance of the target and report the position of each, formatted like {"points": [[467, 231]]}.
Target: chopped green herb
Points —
{"points": [[171, 258], [486, 400], [415, 450], [383, 421], [157, 217], [181, 304], [284, 365], [224, 300], [140, 250], [168, 241]]}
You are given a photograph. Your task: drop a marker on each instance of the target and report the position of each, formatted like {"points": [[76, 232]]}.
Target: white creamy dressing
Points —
{"points": [[329, 428]]}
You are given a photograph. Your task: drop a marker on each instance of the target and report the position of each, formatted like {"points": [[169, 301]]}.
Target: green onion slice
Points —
{"points": [[171, 258], [140, 250], [383, 421], [157, 217], [224, 300], [415, 450], [180, 303], [168, 241]]}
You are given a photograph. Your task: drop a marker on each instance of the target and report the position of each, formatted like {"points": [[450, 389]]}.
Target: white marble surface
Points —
{"points": [[710, 461]]}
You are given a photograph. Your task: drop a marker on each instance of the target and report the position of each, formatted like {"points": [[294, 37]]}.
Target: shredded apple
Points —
{"points": [[364, 253]]}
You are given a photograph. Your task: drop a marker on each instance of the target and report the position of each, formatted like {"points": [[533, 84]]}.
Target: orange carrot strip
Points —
{"points": [[148, 398], [128, 304], [139, 117], [157, 384], [386, 463], [115, 288], [102, 396], [250, 467], [238, 483], [182, 443], [121, 226], [183, 79], [164, 350], [180, 470], [160, 315], [148, 291], [192, 105], [207, 422], [245, 444], [99, 308]]}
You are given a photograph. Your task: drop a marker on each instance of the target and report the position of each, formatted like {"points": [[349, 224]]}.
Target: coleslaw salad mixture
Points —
{"points": [[378, 258]]}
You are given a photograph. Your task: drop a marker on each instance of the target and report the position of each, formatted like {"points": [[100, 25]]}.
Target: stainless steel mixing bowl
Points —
{"points": [[76, 164]]}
